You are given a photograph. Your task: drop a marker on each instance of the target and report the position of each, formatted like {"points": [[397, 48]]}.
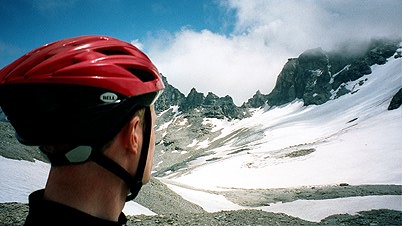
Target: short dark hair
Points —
{"points": [[140, 113], [64, 148]]}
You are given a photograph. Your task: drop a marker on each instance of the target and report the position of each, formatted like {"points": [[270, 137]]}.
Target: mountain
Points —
{"points": [[210, 106], [327, 122], [170, 97], [192, 126], [317, 76]]}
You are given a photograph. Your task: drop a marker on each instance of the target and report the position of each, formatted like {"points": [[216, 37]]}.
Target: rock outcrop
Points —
{"points": [[316, 74], [170, 97], [396, 101], [210, 106]]}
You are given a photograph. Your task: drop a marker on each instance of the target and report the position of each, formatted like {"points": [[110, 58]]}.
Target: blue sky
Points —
{"points": [[233, 47], [28, 24]]}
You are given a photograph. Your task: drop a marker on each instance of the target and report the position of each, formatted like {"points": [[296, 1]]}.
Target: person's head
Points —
{"points": [[74, 96]]}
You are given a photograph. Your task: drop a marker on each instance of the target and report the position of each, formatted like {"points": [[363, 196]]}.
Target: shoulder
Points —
{"points": [[46, 212]]}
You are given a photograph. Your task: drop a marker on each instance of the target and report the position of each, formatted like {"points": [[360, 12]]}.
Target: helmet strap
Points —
{"points": [[146, 140], [82, 154], [134, 183]]}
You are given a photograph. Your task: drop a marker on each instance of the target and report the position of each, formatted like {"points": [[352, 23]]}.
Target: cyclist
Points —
{"points": [[87, 102]]}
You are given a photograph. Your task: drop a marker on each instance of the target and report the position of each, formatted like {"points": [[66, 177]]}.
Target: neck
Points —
{"points": [[89, 188]]}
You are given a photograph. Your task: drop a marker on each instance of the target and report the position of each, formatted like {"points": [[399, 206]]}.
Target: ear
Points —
{"points": [[134, 135]]}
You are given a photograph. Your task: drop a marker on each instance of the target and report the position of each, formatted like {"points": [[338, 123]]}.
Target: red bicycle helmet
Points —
{"points": [[80, 92], [77, 91]]}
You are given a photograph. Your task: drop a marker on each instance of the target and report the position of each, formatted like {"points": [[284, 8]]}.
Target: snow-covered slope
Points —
{"points": [[353, 139]]}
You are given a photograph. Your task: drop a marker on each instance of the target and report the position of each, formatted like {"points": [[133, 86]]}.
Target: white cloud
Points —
{"points": [[308, 24], [212, 62], [266, 34], [137, 44]]}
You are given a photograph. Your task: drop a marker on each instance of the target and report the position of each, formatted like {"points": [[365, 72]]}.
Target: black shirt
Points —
{"points": [[45, 212]]}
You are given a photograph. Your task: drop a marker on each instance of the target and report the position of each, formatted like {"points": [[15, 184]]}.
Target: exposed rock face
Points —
{"points": [[192, 101], [210, 106], [306, 78], [396, 101], [220, 107], [315, 77], [315, 89], [170, 97], [377, 52], [315, 73], [256, 101]]}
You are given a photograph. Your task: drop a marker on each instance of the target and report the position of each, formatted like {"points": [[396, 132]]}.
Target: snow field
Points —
{"points": [[310, 210], [353, 139]]}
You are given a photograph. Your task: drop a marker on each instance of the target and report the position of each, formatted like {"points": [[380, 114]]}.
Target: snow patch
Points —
{"points": [[310, 210], [317, 210], [195, 141], [209, 202], [19, 178]]}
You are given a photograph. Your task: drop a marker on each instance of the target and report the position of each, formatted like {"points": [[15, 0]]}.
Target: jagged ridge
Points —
{"points": [[315, 77], [210, 106]]}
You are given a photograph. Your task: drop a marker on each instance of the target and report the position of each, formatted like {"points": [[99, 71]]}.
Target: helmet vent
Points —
{"points": [[144, 76], [47, 56], [110, 52]]}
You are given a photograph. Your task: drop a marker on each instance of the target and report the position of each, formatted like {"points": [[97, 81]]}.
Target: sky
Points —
{"points": [[228, 47]]}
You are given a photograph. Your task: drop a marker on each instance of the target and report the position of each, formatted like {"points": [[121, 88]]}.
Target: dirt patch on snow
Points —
{"points": [[262, 197]]}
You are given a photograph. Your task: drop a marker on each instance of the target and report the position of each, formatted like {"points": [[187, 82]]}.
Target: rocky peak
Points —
{"points": [[313, 58], [210, 99], [256, 101], [170, 97], [315, 73], [192, 101], [210, 106], [306, 77], [220, 107], [315, 77], [359, 64]]}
